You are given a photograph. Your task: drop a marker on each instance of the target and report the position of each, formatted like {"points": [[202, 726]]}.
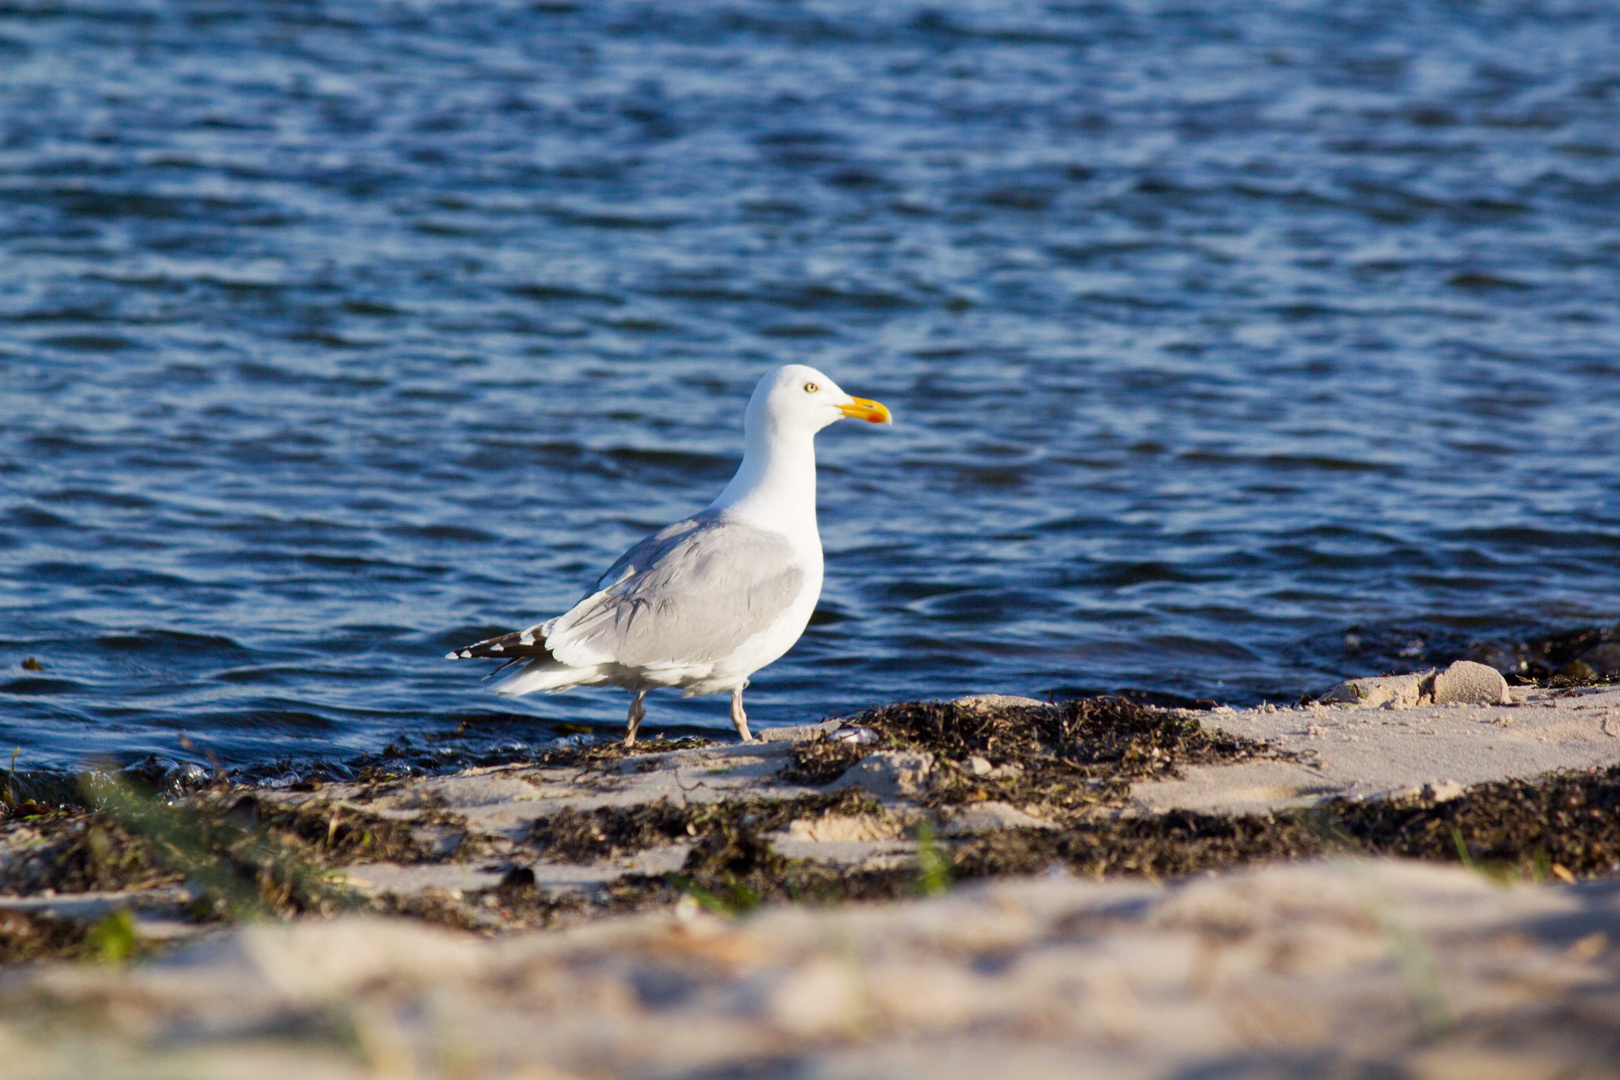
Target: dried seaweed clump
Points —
{"points": [[1087, 731], [1060, 757], [245, 856], [582, 836], [1561, 825], [1569, 658], [75, 851], [730, 867], [821, 761], [1566, 820], [733, 868], [1160, 845]]}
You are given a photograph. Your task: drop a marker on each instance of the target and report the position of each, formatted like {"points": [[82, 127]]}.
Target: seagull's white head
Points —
{"points": [[799, 400], [775, 486]]}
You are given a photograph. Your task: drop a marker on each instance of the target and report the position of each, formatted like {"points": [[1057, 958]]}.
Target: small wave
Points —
{"points": [[268, 674], [89, 342], [1483, 282], [682, 461], [289, 529], [32, 517], [499, 455], [1122, 575], [821, 295], [989, 607], [264, 720], [706, 294], [1322, 462], [547, 293], [796, 330], [857, 179], [36, 686], [79, 496], [329, 340], [70, 313], [432, 227], [1408, 558], [168, 641], [371, 309], [936, 24], [915, 589], [64, 573], [605, 218], [327, 561], [1530, 537], [1183, 645], [444, 534], [91, 203], [1019, 198]]}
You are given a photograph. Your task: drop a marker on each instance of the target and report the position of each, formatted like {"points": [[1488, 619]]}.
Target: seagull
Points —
{"points": [[704, 603]]}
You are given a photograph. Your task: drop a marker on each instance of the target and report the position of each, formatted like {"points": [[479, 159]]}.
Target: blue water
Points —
{"points": [[1219, 337]]}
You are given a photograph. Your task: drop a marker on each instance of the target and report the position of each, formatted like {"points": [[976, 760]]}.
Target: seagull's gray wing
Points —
{"points": [[690, 593]]}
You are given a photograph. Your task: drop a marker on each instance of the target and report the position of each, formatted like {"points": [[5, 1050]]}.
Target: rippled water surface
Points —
{"points": [[334, 334]]}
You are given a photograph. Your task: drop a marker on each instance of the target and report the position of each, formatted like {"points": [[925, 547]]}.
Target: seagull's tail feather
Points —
{"points": [[524, 645], [540, 671], [543, 675]]}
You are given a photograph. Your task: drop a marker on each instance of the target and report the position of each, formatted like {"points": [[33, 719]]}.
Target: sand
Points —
{"points": [[630, 915]]}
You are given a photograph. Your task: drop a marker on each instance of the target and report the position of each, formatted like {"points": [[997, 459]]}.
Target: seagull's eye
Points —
{"points": [[811, 388]]}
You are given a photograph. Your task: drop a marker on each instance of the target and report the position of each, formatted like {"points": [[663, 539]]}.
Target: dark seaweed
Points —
{"points": [[1064, 758], [582, 836], [245, 855], [1567, 822]]}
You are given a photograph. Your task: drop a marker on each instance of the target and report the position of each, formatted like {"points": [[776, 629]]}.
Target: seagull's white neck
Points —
{"points": [[775, 487]]}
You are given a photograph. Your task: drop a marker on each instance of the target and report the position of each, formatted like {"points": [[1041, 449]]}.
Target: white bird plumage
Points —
{"points": [[704, 603]]}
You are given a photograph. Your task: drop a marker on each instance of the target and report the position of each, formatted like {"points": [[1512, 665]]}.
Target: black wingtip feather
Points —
{"points": [[509, 647]]}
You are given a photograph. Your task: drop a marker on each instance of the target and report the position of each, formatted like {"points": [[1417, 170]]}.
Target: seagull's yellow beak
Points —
{"points": [[873, 412]]}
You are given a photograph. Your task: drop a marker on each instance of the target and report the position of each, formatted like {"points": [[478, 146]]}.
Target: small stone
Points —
{"points": [[1579, 670], [890, 774], [979, 765], [1386, 691], [1468, 683], [1603, 659]]}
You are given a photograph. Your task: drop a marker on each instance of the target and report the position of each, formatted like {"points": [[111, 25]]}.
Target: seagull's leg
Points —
{"points": [[636, 714], [738, 717]]}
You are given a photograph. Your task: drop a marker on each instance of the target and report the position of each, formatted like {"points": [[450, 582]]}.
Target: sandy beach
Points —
{"points": [[1381, 880]]}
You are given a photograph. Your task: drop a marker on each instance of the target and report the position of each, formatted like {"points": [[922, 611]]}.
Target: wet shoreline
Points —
{"points": [[1581, 656]]}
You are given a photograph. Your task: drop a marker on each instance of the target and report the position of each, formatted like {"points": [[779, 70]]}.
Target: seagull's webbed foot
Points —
{"points": [[738, 717], [637, 712]]}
